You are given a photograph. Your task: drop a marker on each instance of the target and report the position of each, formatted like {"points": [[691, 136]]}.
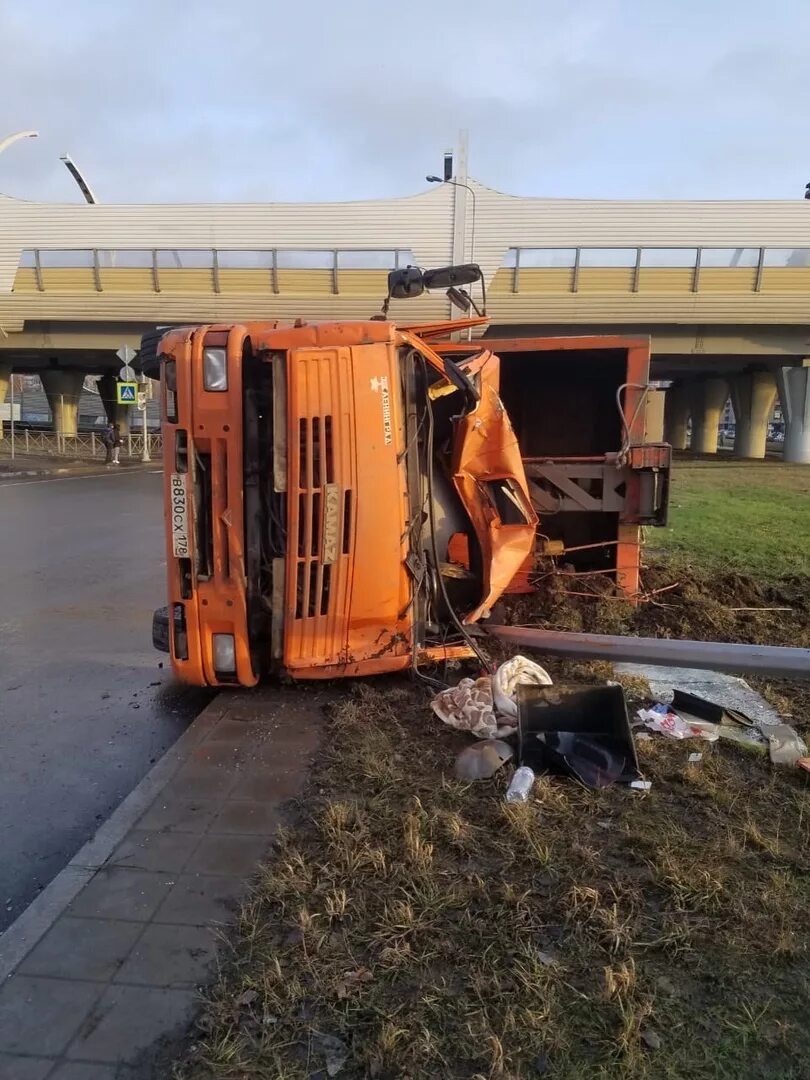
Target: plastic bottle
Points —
{"points": [[521, 785]]}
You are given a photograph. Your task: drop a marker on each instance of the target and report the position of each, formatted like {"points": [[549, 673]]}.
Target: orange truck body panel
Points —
{"points": [[347, 515], [347, 603]]}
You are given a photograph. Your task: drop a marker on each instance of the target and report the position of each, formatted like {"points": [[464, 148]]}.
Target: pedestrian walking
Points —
{"points": [[116, 446], [108, 442]]}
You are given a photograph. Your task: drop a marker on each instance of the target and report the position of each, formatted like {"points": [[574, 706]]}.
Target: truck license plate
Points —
{"points": [[179, 515]]}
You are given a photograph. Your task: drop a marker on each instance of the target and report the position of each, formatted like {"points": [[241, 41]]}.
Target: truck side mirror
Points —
{"points": [[450, 277], [405, 283]]}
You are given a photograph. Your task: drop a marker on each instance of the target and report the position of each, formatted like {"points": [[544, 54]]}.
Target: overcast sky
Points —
{"points": [[242, 100]]}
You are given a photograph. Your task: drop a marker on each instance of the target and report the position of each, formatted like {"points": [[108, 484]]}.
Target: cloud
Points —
{"points": [[253, 100]]}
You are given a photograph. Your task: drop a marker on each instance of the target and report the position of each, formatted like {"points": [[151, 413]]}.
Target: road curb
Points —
{"points": [[29, 927]]}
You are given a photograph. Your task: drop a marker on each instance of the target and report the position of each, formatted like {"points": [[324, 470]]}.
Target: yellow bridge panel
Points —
{"points": [[786, 279], [731, 279], [186, 281], [233, 282], [68, 279], [666, 279], [305, 282], [126, 280], [605, 279], [372, 283], [25, 281]]}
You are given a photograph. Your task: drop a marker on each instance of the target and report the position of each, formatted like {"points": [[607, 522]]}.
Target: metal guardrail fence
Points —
{"points": [[54, 444]]}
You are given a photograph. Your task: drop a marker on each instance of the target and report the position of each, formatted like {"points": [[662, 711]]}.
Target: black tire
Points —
{"points": [[160, 630], [146, 358]]}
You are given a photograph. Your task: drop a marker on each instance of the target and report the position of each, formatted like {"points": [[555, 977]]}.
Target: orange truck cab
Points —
{"points": [[352, 498], [341, 500]]}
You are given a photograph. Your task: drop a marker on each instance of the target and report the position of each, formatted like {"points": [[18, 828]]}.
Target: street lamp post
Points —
{"points": [[10, 139], [460, 183]]}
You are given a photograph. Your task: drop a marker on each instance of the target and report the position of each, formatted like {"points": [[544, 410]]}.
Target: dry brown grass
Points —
{"points": [[437, 932]]}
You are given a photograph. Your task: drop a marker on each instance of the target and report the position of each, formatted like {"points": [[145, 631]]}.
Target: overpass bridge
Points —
{"points": [[722, 287]]}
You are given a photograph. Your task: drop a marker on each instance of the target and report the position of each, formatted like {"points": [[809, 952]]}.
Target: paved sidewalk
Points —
{"points": [[103, 968], [29, 465]]}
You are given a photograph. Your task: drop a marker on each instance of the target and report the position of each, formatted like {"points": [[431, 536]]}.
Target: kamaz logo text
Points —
{"points": [[379, 384]]}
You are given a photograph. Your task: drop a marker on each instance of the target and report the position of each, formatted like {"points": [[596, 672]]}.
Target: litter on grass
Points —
{"points": [[482, 760], [577, 731], [698, 718], [487, 707], [784, 745], [665, 721]]}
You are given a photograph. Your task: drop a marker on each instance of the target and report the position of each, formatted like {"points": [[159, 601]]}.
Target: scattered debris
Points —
{"points": [[487, 706], [640, 785], [699, 718], [352, 980], [665, 721], [482, 760], [519, 671], [546, 958], [651, 1039], [784, 745], [702, 709], [469, 707], [520, 785], [694, 758], [334, 1051], [579, 731]]}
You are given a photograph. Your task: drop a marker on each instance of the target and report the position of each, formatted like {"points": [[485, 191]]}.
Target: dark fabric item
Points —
{"points": [[595, 760]]}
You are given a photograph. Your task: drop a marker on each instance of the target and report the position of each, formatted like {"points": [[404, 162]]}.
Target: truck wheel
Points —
{"points": [[160, 629]]}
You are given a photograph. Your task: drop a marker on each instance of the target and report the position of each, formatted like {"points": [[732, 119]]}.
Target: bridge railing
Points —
{"points": [[78, 447], [653, 269]]}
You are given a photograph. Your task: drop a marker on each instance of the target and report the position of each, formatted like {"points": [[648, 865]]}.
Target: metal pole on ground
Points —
{"points": [[142, 406], [11, 380], [783, 661]]}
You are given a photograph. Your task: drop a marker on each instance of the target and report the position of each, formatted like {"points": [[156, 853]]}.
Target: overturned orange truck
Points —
{"points": [[354, 498]]}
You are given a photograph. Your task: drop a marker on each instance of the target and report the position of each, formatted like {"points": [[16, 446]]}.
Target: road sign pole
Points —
{"points": [[145, 455], [11, 380]]}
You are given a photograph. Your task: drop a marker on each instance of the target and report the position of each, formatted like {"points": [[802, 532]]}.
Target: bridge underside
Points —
{"points": [[754, 365]]}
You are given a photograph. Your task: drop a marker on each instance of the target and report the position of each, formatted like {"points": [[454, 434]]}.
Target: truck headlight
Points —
{"points": [[215, 369], [224, 648]]}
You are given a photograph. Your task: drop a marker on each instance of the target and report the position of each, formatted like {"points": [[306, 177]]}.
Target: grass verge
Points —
{"points": [[419, 927], [753, 517]]}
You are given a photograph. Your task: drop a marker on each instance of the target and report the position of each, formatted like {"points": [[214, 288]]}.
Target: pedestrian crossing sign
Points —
{"points": [[127, 393]]}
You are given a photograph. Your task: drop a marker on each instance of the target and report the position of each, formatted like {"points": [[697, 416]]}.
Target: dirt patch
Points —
{"points": [[412, 926], [684, 601]]}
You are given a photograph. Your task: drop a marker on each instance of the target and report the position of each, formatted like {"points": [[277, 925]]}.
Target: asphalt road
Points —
{"points": [[85, 709]]}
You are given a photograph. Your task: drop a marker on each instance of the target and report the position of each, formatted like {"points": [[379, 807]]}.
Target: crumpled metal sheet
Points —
{"points": [[727, 690], [485, 450]]}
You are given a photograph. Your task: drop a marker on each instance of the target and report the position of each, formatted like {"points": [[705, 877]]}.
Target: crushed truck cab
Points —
{"points": [[342, 499]]}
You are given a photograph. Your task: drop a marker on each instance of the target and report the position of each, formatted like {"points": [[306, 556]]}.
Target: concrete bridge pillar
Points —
{"points": [[676, 416], [116, 414], [794, 395], [654, 418], [708, 398], [753, 395], [63, 390], [5, 379]]}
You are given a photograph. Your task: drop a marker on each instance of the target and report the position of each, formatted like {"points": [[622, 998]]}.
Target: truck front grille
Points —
{"points": [[316, 491]]}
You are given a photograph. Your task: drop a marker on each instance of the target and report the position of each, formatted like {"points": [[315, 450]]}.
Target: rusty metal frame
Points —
{"points": [[644, 478], [628, 535]]}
